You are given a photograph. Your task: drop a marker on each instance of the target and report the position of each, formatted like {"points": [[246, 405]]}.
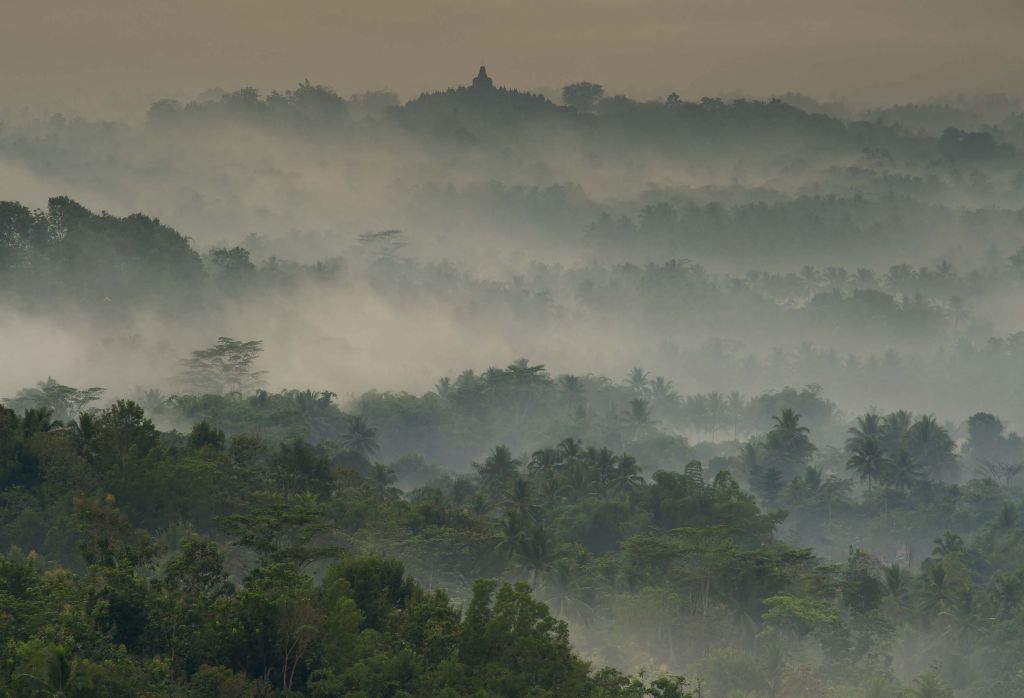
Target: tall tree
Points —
{"points": [[360, 437], [226, 367], [868, 460], [787, 447]]}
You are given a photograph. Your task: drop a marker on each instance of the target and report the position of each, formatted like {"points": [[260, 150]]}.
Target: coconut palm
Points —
{"points": [[512, 533], [734, 407], [894, 430], [930, 445], [933, 588], [868, 460], [896, 582], [537, 550], [360, 436], [903, 473], [750, 458], [869, 427], [957, 311], [498, 472], [787, 447], [639, 381], [950, 544], [664, 398], [383, 477], [573, 389], [1007, 590], [696, 412], [520, 499], [564, 593], [638, 417], [626, 475], [717, 412]]}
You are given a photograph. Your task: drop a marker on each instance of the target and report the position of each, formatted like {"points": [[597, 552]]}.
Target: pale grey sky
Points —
{"points": [[870, 50]]}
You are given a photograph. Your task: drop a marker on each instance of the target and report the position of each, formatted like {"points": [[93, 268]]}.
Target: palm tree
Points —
{"points": [[869, 427], [945, 270], [812, 480], [572, 389], [638, 380], [512, 533], [520, 499], [868, 460], [835, 488], [931, 445], [787, 446], [894, 430], [903, 472], [750, 458], [788, 422], [524, 375], [565, 595], [963, 613], [38, 419], [933, 593], [1007, 591], [54, 674], [957, 311], [537, 551], [717, 412], [316, 410], [734, 408], [896, 581], [570, 449], [948, 545], [1007, 518], [383, 477], [665, 399], [626, 476], [638, 417], [543, 469], [575, 480], [524, 380], [601, 463], [84, 429], [360, 437], [152, 400], [498, 472], [697, 412], [768, 484]]}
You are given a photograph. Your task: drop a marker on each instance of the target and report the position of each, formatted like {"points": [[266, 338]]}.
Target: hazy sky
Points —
{"points": [[878, 50]]}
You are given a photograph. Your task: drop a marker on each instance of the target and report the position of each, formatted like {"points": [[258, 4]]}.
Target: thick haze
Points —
{"points": [[770, 252], [871, 51]]}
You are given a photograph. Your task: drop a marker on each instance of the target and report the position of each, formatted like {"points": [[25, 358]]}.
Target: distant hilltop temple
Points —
{"points": [[458, 107], [481, 81]]}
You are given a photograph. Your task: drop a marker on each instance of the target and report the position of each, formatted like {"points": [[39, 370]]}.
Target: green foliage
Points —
{"points": [[226, 367], [245, 565], [62, 401]]}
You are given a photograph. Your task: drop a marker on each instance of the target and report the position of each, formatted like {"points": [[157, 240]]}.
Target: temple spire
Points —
{"points": [[481, 81]]}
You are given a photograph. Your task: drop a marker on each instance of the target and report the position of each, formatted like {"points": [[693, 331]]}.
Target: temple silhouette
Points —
{"points": [[481, 81], [465, 111]]}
